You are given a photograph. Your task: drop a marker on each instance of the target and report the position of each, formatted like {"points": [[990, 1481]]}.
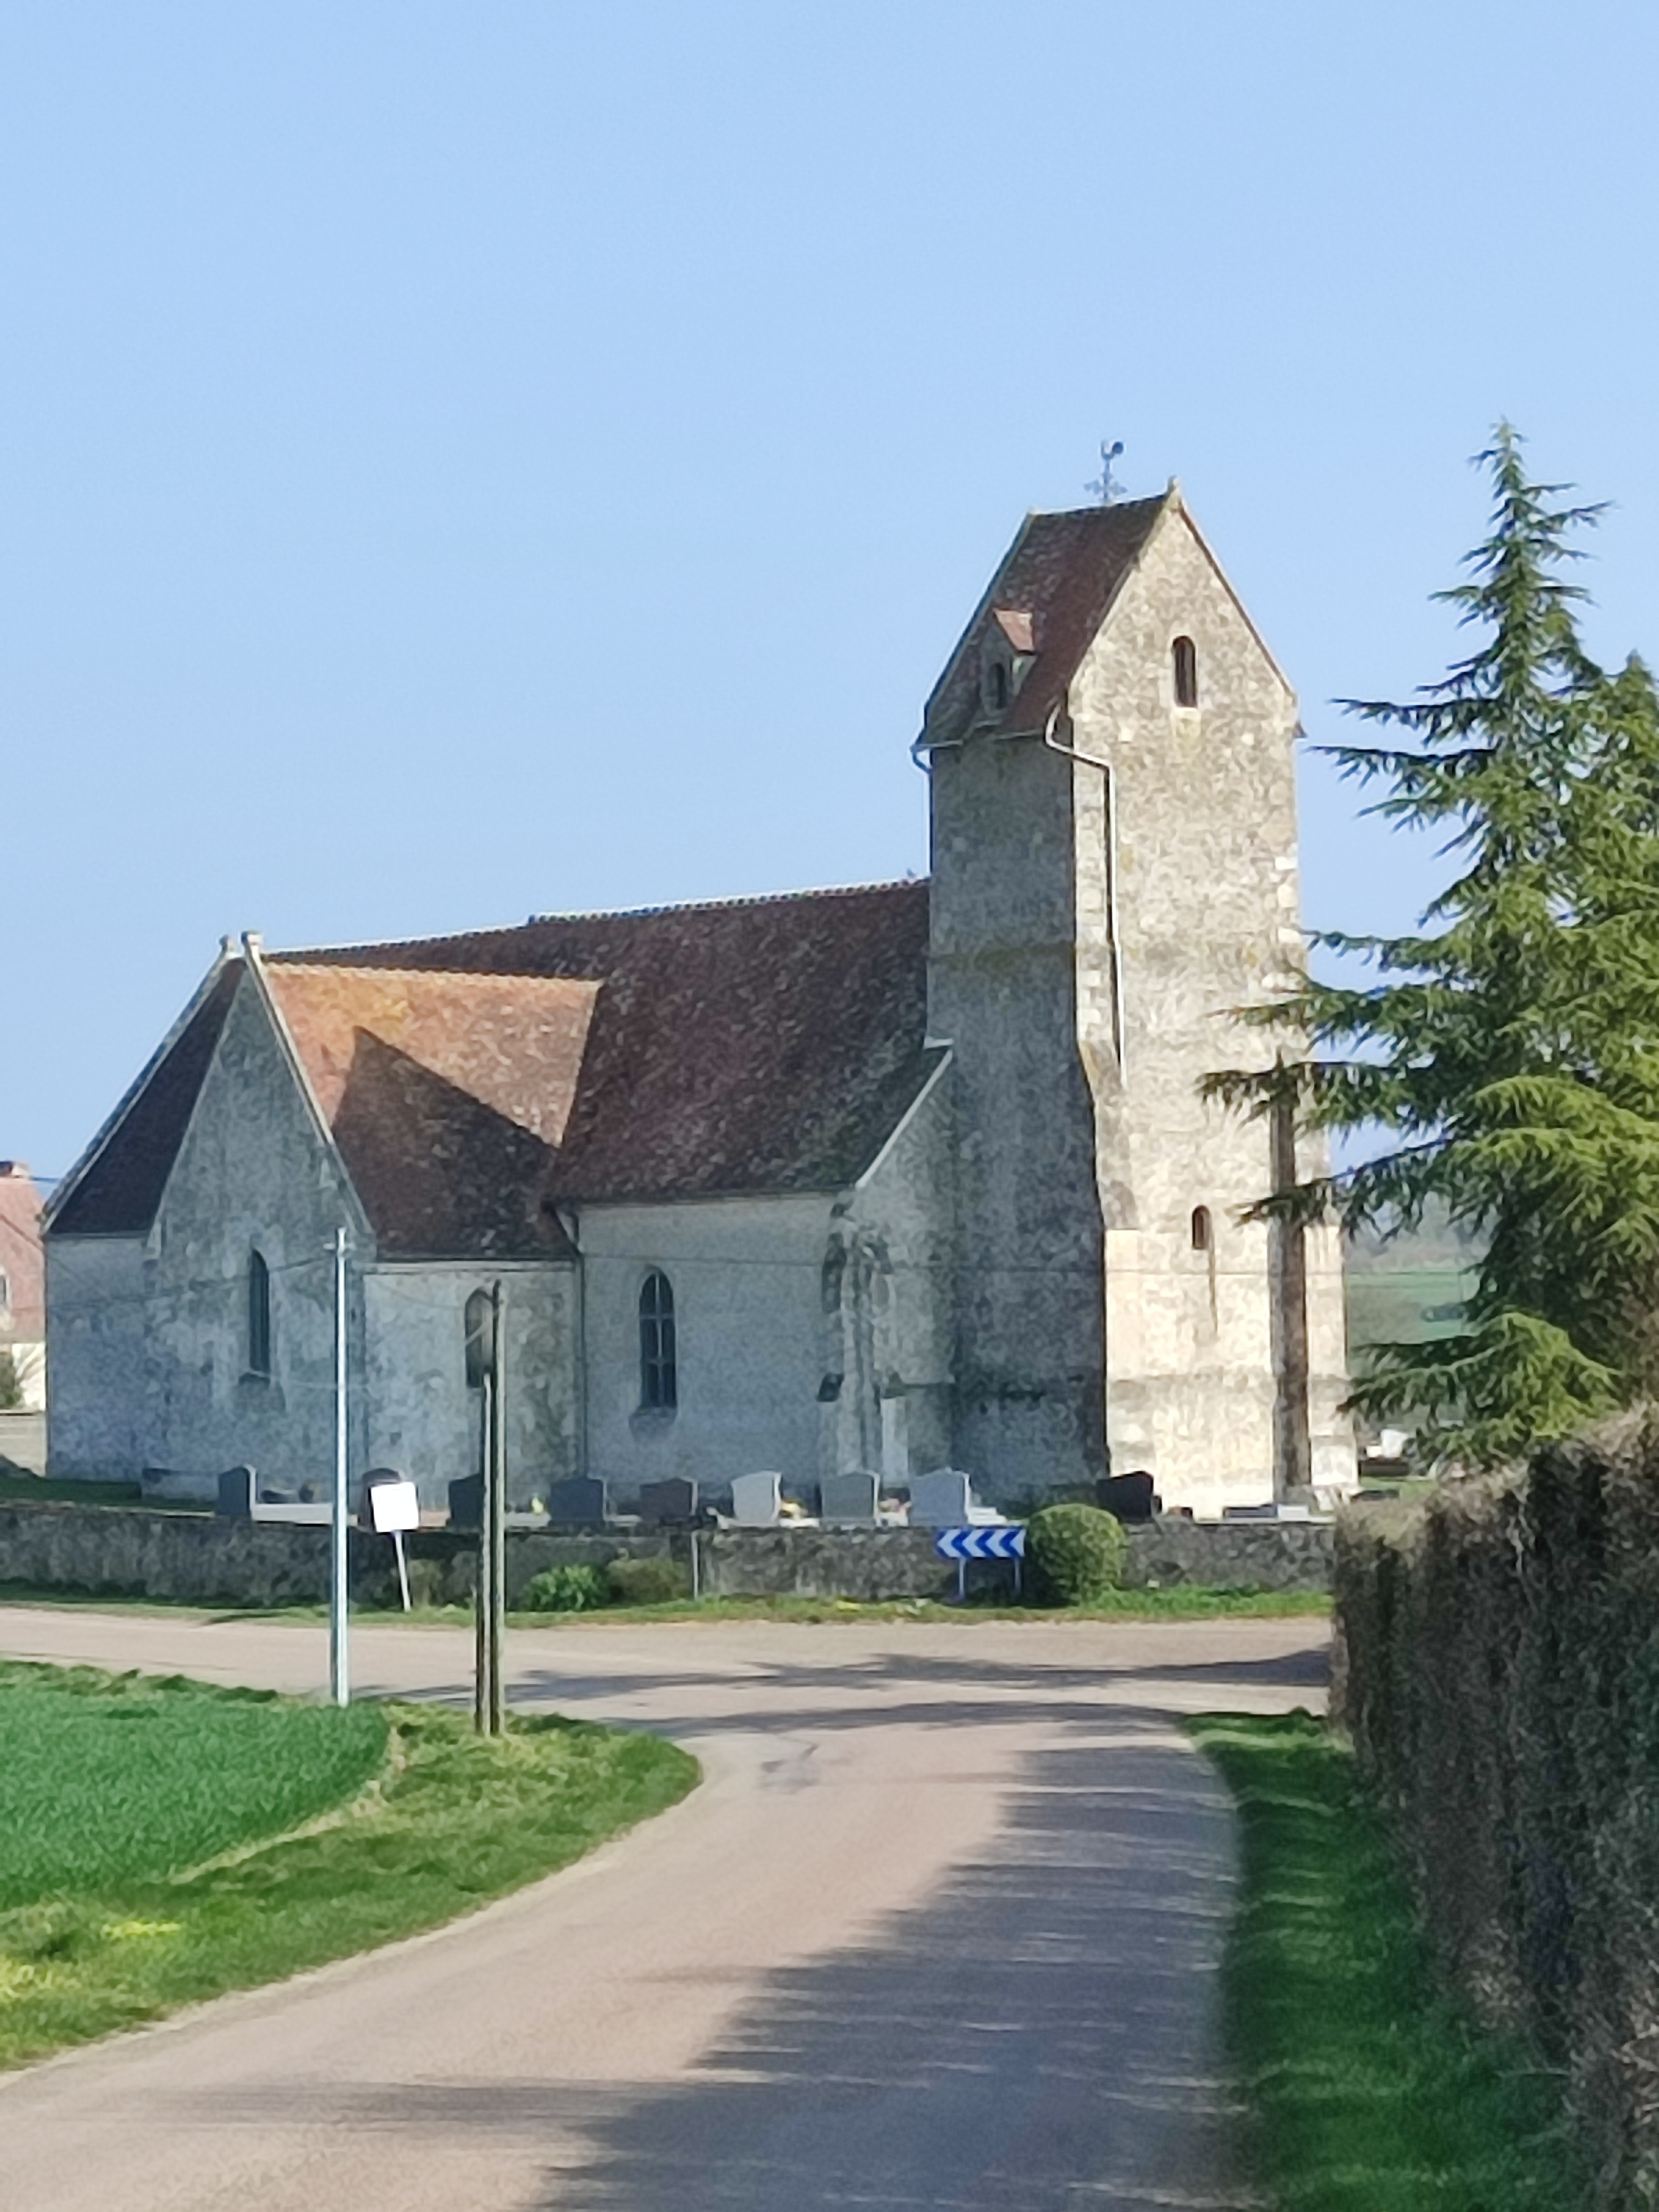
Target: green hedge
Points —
{"points": [[1077, 1553], [1498, 1669]]}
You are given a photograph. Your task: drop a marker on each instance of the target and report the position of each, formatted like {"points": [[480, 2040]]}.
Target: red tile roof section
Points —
{"points": [[755, 1045], [1064, 570], [447, 1095]]}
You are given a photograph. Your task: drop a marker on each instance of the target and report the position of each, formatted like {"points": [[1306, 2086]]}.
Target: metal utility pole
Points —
{"points": [[339, 1668], [489, 1709]]}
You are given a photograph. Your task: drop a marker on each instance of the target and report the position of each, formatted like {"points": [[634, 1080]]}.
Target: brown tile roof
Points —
{"points": [[447, 1095], [1062, 572], [754, 1046]]}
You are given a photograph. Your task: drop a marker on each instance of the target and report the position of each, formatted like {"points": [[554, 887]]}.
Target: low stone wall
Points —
{"points": [[1258, 1555], [852, 1563], [900, 1563], [196, 1558]]}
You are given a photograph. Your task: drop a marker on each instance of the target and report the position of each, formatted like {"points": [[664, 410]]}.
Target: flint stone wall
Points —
{"points": [[196, 1558], [902, 1563]]}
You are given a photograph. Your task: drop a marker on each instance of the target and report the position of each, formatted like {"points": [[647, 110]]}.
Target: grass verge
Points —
{"points": [[1367, 2089], [1180, 1602], [244, 1837]]}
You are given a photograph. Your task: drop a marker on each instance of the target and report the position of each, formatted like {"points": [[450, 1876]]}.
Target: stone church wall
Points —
{"points": [[420, 1416], [95, 1306], [150, 1336], [1189, 894], [1002, 990], [889, 1300], [745, 1275]]}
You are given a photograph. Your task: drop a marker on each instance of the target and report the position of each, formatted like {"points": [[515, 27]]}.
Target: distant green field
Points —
{"points": [[1404, 1305], [106, 1781]]}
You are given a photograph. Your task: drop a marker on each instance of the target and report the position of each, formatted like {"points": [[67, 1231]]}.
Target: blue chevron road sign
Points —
{"points": [[980, 1543]]}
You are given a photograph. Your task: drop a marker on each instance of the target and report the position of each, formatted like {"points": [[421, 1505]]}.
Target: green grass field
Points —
{"points": [[104, 1782], [1367, 2088], [163, 1841]]}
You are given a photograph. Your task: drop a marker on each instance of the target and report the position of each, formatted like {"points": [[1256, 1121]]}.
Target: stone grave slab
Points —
{"points": [[852, 1497], [755, 1500], [668, 1504], [583, 1502], [943, 1500]]}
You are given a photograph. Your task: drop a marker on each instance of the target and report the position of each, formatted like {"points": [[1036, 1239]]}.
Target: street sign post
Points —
{"points": [[394, 1505], [1006, 1542]]}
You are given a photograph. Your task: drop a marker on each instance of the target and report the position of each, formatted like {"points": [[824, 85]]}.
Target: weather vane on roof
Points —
{"points": [[1106, 488]]}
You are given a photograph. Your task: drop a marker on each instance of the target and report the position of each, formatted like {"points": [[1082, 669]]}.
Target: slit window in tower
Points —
{"points": [[1184, 655]]}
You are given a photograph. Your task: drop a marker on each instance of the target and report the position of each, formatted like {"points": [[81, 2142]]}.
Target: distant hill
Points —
{"points": [[1408, 1288]]}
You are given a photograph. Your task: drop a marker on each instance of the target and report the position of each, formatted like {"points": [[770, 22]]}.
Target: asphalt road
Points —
{"points": [[939, 1929]]}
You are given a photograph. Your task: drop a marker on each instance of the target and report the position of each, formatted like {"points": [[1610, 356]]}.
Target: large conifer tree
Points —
{"points": [[1504, 1060]]}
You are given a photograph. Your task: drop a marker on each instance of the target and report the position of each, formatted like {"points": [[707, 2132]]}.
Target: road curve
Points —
{"points": [[939, 1929]]}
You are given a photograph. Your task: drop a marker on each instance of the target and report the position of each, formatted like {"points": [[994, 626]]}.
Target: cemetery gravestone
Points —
{"points": [[1130, 1497], [668, 1504], [850, 1497], [580, 1503], [754, 1499], [943, 1500], [235, 1500]]}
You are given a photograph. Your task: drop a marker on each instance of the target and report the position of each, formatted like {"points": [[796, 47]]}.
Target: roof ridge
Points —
{"points": [[1098, 506], [503, 978], [297, 956], [719, 905]]}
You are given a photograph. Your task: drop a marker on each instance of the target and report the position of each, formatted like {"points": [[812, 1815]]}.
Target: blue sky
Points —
{"points": [[466, 460]]}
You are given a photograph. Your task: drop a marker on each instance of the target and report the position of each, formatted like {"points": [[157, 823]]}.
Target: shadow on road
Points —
{"points": [[1040, 2034]]}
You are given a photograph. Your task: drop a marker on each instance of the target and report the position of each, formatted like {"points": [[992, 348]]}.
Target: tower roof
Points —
{"points": [[1053, 587]]}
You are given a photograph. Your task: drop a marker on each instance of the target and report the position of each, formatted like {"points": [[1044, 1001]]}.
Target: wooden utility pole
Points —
{"points": [[1292, 1450], [489, 1706]]}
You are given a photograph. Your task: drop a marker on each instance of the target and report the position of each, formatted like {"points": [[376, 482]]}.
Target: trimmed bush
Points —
{"points": [[566, 1589], [647, 1582], [1076, 1553]]}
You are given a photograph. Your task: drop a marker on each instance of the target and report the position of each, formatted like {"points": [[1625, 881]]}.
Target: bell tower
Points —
{"points": [[1110, 753]]}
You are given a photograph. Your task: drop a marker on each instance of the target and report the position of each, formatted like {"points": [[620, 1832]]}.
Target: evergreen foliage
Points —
{"points": [[1507, 1052]]}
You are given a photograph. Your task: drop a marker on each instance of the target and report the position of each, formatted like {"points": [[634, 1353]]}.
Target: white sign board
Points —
{"points": [[393, 1506]]}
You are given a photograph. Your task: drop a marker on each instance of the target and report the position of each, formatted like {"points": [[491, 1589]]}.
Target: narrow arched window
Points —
{"points": [[1203, 1230], [659, 1370], [5, 1288], [999, 686], [258, 1314], [478, 1323], [1184, 655]]}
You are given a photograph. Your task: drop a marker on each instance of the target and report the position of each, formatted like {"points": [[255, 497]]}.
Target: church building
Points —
{"points": [[898, 1177]]}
